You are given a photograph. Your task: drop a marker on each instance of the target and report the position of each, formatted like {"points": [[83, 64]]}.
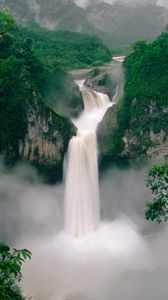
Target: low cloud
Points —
{"points": [[126, 258], [85, 3]]}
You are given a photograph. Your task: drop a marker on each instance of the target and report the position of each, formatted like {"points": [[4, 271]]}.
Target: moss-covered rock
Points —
{"points": [[99, 80], [107, 79], [63, 94]]}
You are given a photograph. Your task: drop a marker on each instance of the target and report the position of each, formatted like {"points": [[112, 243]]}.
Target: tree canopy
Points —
{"points": [[157, 181], [142, 112], [7, 23], [31, 68], [11, 262], [66, 49]]}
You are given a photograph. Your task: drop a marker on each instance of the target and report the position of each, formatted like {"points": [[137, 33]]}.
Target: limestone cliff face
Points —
{"points": [[160, 148], [149, 139], [46, 139], [151, 142]]}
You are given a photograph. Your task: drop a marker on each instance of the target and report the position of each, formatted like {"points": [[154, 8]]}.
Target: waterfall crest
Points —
{"points": [[82, 214]]}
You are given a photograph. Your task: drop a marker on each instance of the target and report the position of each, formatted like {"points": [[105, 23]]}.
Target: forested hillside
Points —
{"points": [[29, 128], [142, 114], [66, 49], [119, 23]]}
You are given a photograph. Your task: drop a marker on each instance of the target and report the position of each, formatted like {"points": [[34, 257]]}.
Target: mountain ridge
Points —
{"points": [[118, 24]]}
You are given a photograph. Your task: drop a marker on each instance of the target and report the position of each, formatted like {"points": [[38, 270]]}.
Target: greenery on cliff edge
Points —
{"points": [[30, 71], [144, 107], [21, 78], [146, 86], [157, 181]]}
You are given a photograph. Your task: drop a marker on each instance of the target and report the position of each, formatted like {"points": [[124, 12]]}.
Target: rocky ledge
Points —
{"points": [[107, 79]]}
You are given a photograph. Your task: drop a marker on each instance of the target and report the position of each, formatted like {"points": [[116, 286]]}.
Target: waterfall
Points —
{"points": [[89, 258], [82, 214]]}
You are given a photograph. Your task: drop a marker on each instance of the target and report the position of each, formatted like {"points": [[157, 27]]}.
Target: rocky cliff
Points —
{"points": [[138, 126], [108, 79], [152, 140], [148, 143], [30, 128], [46, 139]]}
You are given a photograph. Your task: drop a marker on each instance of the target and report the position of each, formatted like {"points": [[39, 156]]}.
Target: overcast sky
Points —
{"points": [[84, 3]]}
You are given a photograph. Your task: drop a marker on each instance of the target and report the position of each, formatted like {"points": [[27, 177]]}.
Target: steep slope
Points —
{"points": [[139, 127], [30, 130], [118, 24], [66, 49], [122, 24], [45, 141]]}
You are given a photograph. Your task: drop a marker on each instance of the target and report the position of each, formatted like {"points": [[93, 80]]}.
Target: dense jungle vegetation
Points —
{"points": [[67, 49], [22, 78], [144, 106], [146, 84], [31, 67]]}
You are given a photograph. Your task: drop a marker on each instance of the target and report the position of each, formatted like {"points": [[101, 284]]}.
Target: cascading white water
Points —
{"points": [[82, 189], [87, 267]]}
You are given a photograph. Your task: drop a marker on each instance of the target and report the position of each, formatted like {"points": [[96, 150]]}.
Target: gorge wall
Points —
{"points": [[147, 144], [137, 127], [45, 142]]}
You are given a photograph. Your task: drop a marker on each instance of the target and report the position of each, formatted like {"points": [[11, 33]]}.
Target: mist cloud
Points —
{"points": [[85, 3], [163, 3], [35, 8], [31, 215]]}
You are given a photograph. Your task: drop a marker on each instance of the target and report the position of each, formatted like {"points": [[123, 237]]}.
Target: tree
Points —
{"points": [[140, 46], [10, 271], [7, 23], [157, 180]]}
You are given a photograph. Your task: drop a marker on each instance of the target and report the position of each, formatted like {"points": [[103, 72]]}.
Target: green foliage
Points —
{"points": [[10, 271], [7, 23], [146, 77], [157, 181], [68, 50], [143, 106], [25, 79], [119, 25], [95, 72], [30, 62], [104, 81], [21, 80]]}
